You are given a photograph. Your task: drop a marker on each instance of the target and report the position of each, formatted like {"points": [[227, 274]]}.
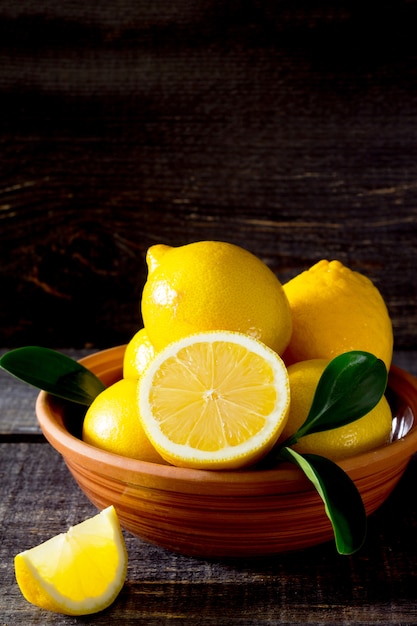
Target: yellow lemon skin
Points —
{"points": [[79, 572], [213, 285], [112, 423], [367, 433], [138, 354], [335, 310]]}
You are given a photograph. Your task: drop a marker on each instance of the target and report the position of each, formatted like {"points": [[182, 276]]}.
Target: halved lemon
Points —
{"points": [[78, 572], [214, 400]]}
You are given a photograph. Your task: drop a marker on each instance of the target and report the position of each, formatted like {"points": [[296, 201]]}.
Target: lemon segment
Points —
{"points": [[214, 400], [78, 572]]}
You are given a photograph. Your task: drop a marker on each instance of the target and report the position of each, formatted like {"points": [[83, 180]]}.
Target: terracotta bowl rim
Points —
{"points": [[52, 426]]}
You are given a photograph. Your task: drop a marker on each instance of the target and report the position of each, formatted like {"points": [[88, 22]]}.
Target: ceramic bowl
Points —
{"points": [[223, 513]]}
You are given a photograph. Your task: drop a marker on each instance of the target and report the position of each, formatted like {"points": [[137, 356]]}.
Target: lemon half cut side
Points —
{"points": [[78, 572], [214, 400]]}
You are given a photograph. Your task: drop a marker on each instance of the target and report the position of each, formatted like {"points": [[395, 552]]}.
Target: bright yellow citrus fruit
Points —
{"points": [[367, 433], [112, 423], [138, 354], [216, 400], [212, 285], [78, 572], [336, 310]]}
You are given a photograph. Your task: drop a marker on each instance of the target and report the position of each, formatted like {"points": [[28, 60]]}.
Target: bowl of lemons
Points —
{"points": [[232, 421]]}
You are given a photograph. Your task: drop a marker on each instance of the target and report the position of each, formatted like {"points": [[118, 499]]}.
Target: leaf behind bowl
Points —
{"points": [[53, 372]]}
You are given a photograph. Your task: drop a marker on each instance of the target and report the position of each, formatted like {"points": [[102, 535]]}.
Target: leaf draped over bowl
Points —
{"points": [[351, 385], [53, 372], [342, 500]]}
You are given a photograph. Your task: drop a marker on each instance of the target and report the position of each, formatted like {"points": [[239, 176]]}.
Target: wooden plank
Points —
{"points": [[289, 130], [38, 498]]}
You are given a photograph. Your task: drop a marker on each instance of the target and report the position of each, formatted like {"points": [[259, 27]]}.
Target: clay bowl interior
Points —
{"points": [[219, 513]]}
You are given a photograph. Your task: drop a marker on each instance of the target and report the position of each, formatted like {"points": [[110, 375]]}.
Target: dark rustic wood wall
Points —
{"points": [[287, 127]]}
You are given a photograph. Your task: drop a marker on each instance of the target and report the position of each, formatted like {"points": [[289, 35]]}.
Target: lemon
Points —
{"points": [[212, 285], [335, 310], [215, 400], [112, 423], [138, 354], [369, 432], [78, 572]]}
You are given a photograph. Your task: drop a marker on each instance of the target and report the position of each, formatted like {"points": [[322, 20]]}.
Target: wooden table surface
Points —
{"points": [[39, 498], [289, 128]]}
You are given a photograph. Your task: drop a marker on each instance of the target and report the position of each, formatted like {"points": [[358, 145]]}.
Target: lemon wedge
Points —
{"points": [[78, 572]]}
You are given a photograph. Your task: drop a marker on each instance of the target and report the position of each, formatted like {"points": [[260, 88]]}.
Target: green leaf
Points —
{"points": [[350, 386], [342, 501], [53, 372]]}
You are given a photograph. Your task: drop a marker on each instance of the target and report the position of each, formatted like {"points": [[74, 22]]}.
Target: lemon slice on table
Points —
{"points": [[78, 572], [215, 400]]}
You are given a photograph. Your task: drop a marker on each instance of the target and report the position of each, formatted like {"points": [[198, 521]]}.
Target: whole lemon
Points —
{"points": [[368, 432], [112, 423], [213, 285], [335, 310], [138, 354]]}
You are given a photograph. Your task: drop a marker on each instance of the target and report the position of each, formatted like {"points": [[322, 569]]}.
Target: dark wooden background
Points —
{"points": [[287, 127]]}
